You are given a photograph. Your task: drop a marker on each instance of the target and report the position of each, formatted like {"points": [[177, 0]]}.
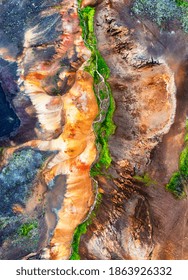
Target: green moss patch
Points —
{"points": [[182, 3], [27, 228], [176, 186], [183, 164], [179, 180], [145, 179]]}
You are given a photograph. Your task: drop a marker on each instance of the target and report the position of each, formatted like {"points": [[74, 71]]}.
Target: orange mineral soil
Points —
{"points": [[65, 125], [78, 152]]}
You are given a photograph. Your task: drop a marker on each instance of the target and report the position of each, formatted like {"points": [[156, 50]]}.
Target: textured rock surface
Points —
{"points": [[148, 80], [56, 105], [42, 75]]}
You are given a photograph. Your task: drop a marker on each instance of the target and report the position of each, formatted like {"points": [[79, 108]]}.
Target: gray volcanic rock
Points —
{"points": [[18, 16], [19, 223]]}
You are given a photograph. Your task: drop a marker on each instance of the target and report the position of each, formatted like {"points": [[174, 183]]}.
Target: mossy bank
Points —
{"points": [[179, 180], [104, 126]]}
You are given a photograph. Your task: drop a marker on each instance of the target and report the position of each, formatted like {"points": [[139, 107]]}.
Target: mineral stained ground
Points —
{"points": [[93, 129]]}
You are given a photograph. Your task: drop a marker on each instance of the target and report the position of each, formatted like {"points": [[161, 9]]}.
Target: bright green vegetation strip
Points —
{"points": [[99, 70], [104, 126], [179, 180], [82, 229]]}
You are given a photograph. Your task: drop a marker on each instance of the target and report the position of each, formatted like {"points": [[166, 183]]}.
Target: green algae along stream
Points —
{"points": [[104, 126]]}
